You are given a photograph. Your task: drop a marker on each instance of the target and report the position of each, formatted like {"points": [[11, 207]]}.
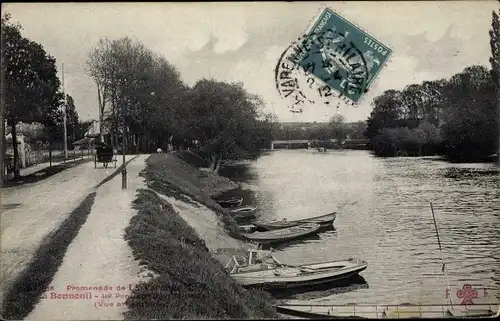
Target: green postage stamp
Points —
{"points": [[342, 59]]}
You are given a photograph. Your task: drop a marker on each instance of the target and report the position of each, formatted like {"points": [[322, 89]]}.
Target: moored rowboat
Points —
{"points": [[247, 228], [231, 202], [323, 220], [283, 234], [244, 209], [240, 216], [244, 212], [274, 275], [325, 311]]}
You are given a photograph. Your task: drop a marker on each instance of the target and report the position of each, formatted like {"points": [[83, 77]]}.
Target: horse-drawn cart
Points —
{"points": [[104, 155]]}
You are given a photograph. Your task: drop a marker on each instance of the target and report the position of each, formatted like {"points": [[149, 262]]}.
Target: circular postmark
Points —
{"points": [[321, 67]]}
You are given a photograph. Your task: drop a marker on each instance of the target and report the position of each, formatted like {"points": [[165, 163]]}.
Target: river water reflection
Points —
{"points": [[384, 218]]}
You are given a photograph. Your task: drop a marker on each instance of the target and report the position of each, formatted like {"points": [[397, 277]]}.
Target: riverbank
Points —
{"points": [[178, 234]]}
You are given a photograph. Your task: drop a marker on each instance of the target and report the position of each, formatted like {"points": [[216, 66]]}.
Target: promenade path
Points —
{"points": [[29, 212], [98, 256]]}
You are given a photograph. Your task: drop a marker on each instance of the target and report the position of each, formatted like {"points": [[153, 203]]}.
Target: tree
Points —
{"points": [[71, 117], [143, 99], [31, 87], [470, 130], [427, 138], [164, 119], [337, 127], [138, 87], [99, 67], [223, 117], [357, 130], [495, 48], [386, 112], [495, 65]]}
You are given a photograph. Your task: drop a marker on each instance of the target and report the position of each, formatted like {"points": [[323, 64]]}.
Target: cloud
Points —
{"points": [[242, 41]]}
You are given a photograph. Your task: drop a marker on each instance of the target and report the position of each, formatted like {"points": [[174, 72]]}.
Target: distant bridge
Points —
{"points": [[347, 142]]}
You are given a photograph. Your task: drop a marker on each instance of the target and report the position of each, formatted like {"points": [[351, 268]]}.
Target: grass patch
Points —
{"points": [[170, 175], [44, 173], [27, 288], [190, 283], [193, 157]]}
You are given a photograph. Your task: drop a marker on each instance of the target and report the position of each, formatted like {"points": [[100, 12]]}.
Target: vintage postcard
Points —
{"points": [[265, 160]]}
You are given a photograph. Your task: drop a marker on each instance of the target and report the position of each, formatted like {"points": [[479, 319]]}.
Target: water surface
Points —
{"points": [[384, 218]]}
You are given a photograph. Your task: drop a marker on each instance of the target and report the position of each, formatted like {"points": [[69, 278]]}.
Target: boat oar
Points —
{"points": [[443, 269]]}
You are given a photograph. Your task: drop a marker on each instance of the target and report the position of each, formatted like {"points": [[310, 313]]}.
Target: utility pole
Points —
{"points": [[65, 129], [2, 139], [124, 169], [498, 102]]}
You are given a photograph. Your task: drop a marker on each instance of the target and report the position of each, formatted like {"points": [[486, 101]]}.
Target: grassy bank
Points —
{"points": [[177, 174], [191, 284]]}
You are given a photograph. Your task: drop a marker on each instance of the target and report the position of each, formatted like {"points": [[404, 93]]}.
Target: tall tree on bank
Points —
{"points": [[99, 67], [471, 115], [338, 127], [224, 118], [135, 86], [71, 118], [30, 83], [495, 65]]}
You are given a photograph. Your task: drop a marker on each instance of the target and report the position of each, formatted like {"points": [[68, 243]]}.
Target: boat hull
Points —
{"points": [[231, 203], [271, 283], [323, 221], [240, 216], [247, 228], [263, 239], [244, 209]]}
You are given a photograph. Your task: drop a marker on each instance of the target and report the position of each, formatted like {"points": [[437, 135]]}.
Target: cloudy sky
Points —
{"points": [[243, 41]]}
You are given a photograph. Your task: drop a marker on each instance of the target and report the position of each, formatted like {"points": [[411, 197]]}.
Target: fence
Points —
{"points": [[34, 154]]}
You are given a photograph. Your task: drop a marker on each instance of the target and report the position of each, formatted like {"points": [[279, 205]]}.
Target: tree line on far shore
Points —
{"points": [[337, 128], [456, 117]]}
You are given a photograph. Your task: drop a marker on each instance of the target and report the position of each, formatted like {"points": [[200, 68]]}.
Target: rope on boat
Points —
{"points": [[443, 269]]}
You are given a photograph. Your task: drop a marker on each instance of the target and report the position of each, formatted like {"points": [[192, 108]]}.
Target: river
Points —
{"points": [[384, 218]]}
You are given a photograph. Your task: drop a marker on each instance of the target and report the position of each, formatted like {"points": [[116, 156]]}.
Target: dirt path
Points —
{"points": [[32, 211], [209, 228], [98, 257]]}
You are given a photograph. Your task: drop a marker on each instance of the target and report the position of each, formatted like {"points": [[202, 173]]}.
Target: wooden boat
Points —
{"points": [[244, 209], [284, 234], [247, 228], [323, 220], [244, 212], [231, 202], [324, 311], [240, 216], [273, 275]]}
